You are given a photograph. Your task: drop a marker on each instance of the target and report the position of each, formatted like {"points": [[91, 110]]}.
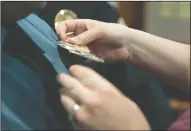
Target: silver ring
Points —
{"points": [[72, 112]]}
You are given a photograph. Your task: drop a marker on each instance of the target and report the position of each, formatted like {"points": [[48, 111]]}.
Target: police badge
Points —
{"points": [[80, 51]]}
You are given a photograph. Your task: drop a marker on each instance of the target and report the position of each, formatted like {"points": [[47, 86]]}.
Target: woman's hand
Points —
{"points": [[106, 40], [102, 105]]}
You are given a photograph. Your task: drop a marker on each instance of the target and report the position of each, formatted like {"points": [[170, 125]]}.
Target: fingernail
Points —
{"points": [[60, 77], [55, 25], [76, 40], [60, 33], [66, 40]]}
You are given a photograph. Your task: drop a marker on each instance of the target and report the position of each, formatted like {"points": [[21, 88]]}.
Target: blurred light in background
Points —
{"points": [[179, 10], [170, 20], [184, 8]]}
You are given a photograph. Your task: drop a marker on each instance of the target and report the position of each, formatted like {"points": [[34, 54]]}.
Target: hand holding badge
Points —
{"points": [[74, 50]]}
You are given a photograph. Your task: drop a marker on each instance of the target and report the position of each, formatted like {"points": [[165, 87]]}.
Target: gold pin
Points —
{"points": [[63, 15]]}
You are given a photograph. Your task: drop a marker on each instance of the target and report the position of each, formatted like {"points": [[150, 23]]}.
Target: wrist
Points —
{"points": [[128, 44]]}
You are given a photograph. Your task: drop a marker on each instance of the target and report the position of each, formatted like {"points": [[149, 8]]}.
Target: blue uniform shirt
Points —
{"points": [[24, 104]]}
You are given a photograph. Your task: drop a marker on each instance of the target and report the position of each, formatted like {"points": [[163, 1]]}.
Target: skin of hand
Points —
{"points": [[167, 59], [102, 105], [106, 40]]}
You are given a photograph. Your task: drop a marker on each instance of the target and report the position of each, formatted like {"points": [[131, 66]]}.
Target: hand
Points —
{"points": [[106, 40], [102, 105]]}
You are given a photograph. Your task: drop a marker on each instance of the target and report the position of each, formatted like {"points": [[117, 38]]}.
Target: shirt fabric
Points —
{"points": [[24, 104]]}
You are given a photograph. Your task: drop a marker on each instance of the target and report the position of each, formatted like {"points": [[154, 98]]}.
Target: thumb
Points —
{"points": [[88, 36]]}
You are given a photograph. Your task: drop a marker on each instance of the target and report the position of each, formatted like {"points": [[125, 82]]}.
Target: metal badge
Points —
{"points": [[80, 51]]}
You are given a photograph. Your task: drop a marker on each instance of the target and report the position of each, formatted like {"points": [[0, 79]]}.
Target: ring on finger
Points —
{"points": [[72, 112]]}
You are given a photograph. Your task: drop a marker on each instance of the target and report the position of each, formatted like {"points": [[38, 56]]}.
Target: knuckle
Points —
{"points": [[92, 103], [70, 87], [82, 117], [62, 24], [89, 80], [107, 92], [81, 37]]}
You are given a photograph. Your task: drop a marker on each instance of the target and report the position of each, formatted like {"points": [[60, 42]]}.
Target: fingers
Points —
{"points": [[64, 27], [76, 26], [88, 36], [68, 102], [86, 31], [75, 89], [88, 77]]}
